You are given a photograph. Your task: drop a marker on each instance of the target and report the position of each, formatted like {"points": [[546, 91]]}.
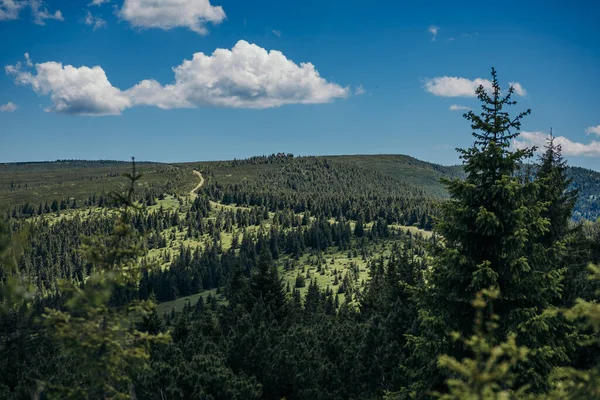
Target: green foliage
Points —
{"points": [[489, 375], [97, 338], [572, 383], [297, 277], [325, 187], [493, 229]]}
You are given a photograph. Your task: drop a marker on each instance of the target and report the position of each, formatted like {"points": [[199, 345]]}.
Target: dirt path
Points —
{"points": [[193, 194]]}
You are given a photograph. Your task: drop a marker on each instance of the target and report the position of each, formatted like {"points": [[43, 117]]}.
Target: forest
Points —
{"points": [[286, 277]]}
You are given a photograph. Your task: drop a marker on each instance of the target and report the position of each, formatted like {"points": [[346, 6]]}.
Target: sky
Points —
{"points": [[190, 80]]}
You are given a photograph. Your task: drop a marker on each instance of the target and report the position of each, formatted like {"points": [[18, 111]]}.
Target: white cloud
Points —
{"points": [[569, 148], [452, 86], [97, 2], [28, 60], [458, 107], [593, 130], [247, 76], [168, 14], [434, 31], [360, 90], [8, 107], [276, 32], [10, 10], [82, 91], [94, 21], [519, 90], [40, 12]]}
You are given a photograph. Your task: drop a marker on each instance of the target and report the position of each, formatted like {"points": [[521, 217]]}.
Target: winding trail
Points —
{"points": [[193, 193]]}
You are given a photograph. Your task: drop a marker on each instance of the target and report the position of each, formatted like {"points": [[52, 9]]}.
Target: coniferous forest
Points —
{"points": [[283, 277]]}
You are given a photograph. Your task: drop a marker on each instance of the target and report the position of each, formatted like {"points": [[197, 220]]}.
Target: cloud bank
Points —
{"points": [[247, 76]]}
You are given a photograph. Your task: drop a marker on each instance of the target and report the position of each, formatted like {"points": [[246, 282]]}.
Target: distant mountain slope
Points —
{"points": [[401, 169], [588, 184], [405, 169], [40, 182], [385, 174]]}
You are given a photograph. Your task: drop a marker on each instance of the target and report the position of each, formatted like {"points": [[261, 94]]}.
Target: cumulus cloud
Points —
{"points": [[8, 107], [11, 9], [247, 76], [593, 130], [168, 14], [82, 91], [97, 2], [434, 31], [458, 107], [94, 21], [452, 86], [569, 148]]}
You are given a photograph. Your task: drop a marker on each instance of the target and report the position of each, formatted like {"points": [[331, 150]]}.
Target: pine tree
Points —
{"points": [[359, 229], [492, 229], [266, 284], [554, 188], [572, 251]]}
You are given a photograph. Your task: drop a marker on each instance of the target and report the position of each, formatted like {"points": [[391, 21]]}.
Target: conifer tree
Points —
{"points": [[572, 250], [266, 284], [554, 188], [571, 383], [491, 229], [489, 374]]}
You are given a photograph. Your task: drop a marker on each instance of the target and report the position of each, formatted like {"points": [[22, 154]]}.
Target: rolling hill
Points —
{"points": [[398, 171], [388, 174]]}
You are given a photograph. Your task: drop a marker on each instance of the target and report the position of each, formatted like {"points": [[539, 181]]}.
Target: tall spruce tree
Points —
{"points": [[491, 229], [574, 254], [554, 188]]}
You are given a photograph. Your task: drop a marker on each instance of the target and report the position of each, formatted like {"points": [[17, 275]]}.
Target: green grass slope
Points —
{"points": [[35, 183]]}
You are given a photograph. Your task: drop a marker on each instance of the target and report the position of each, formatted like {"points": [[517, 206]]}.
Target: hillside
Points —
{"points": [[386, 172], [357, 175], [79, 180], [338, 241]]}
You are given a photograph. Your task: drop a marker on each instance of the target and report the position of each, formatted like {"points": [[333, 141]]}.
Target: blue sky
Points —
{"points": [[111, 80]]}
